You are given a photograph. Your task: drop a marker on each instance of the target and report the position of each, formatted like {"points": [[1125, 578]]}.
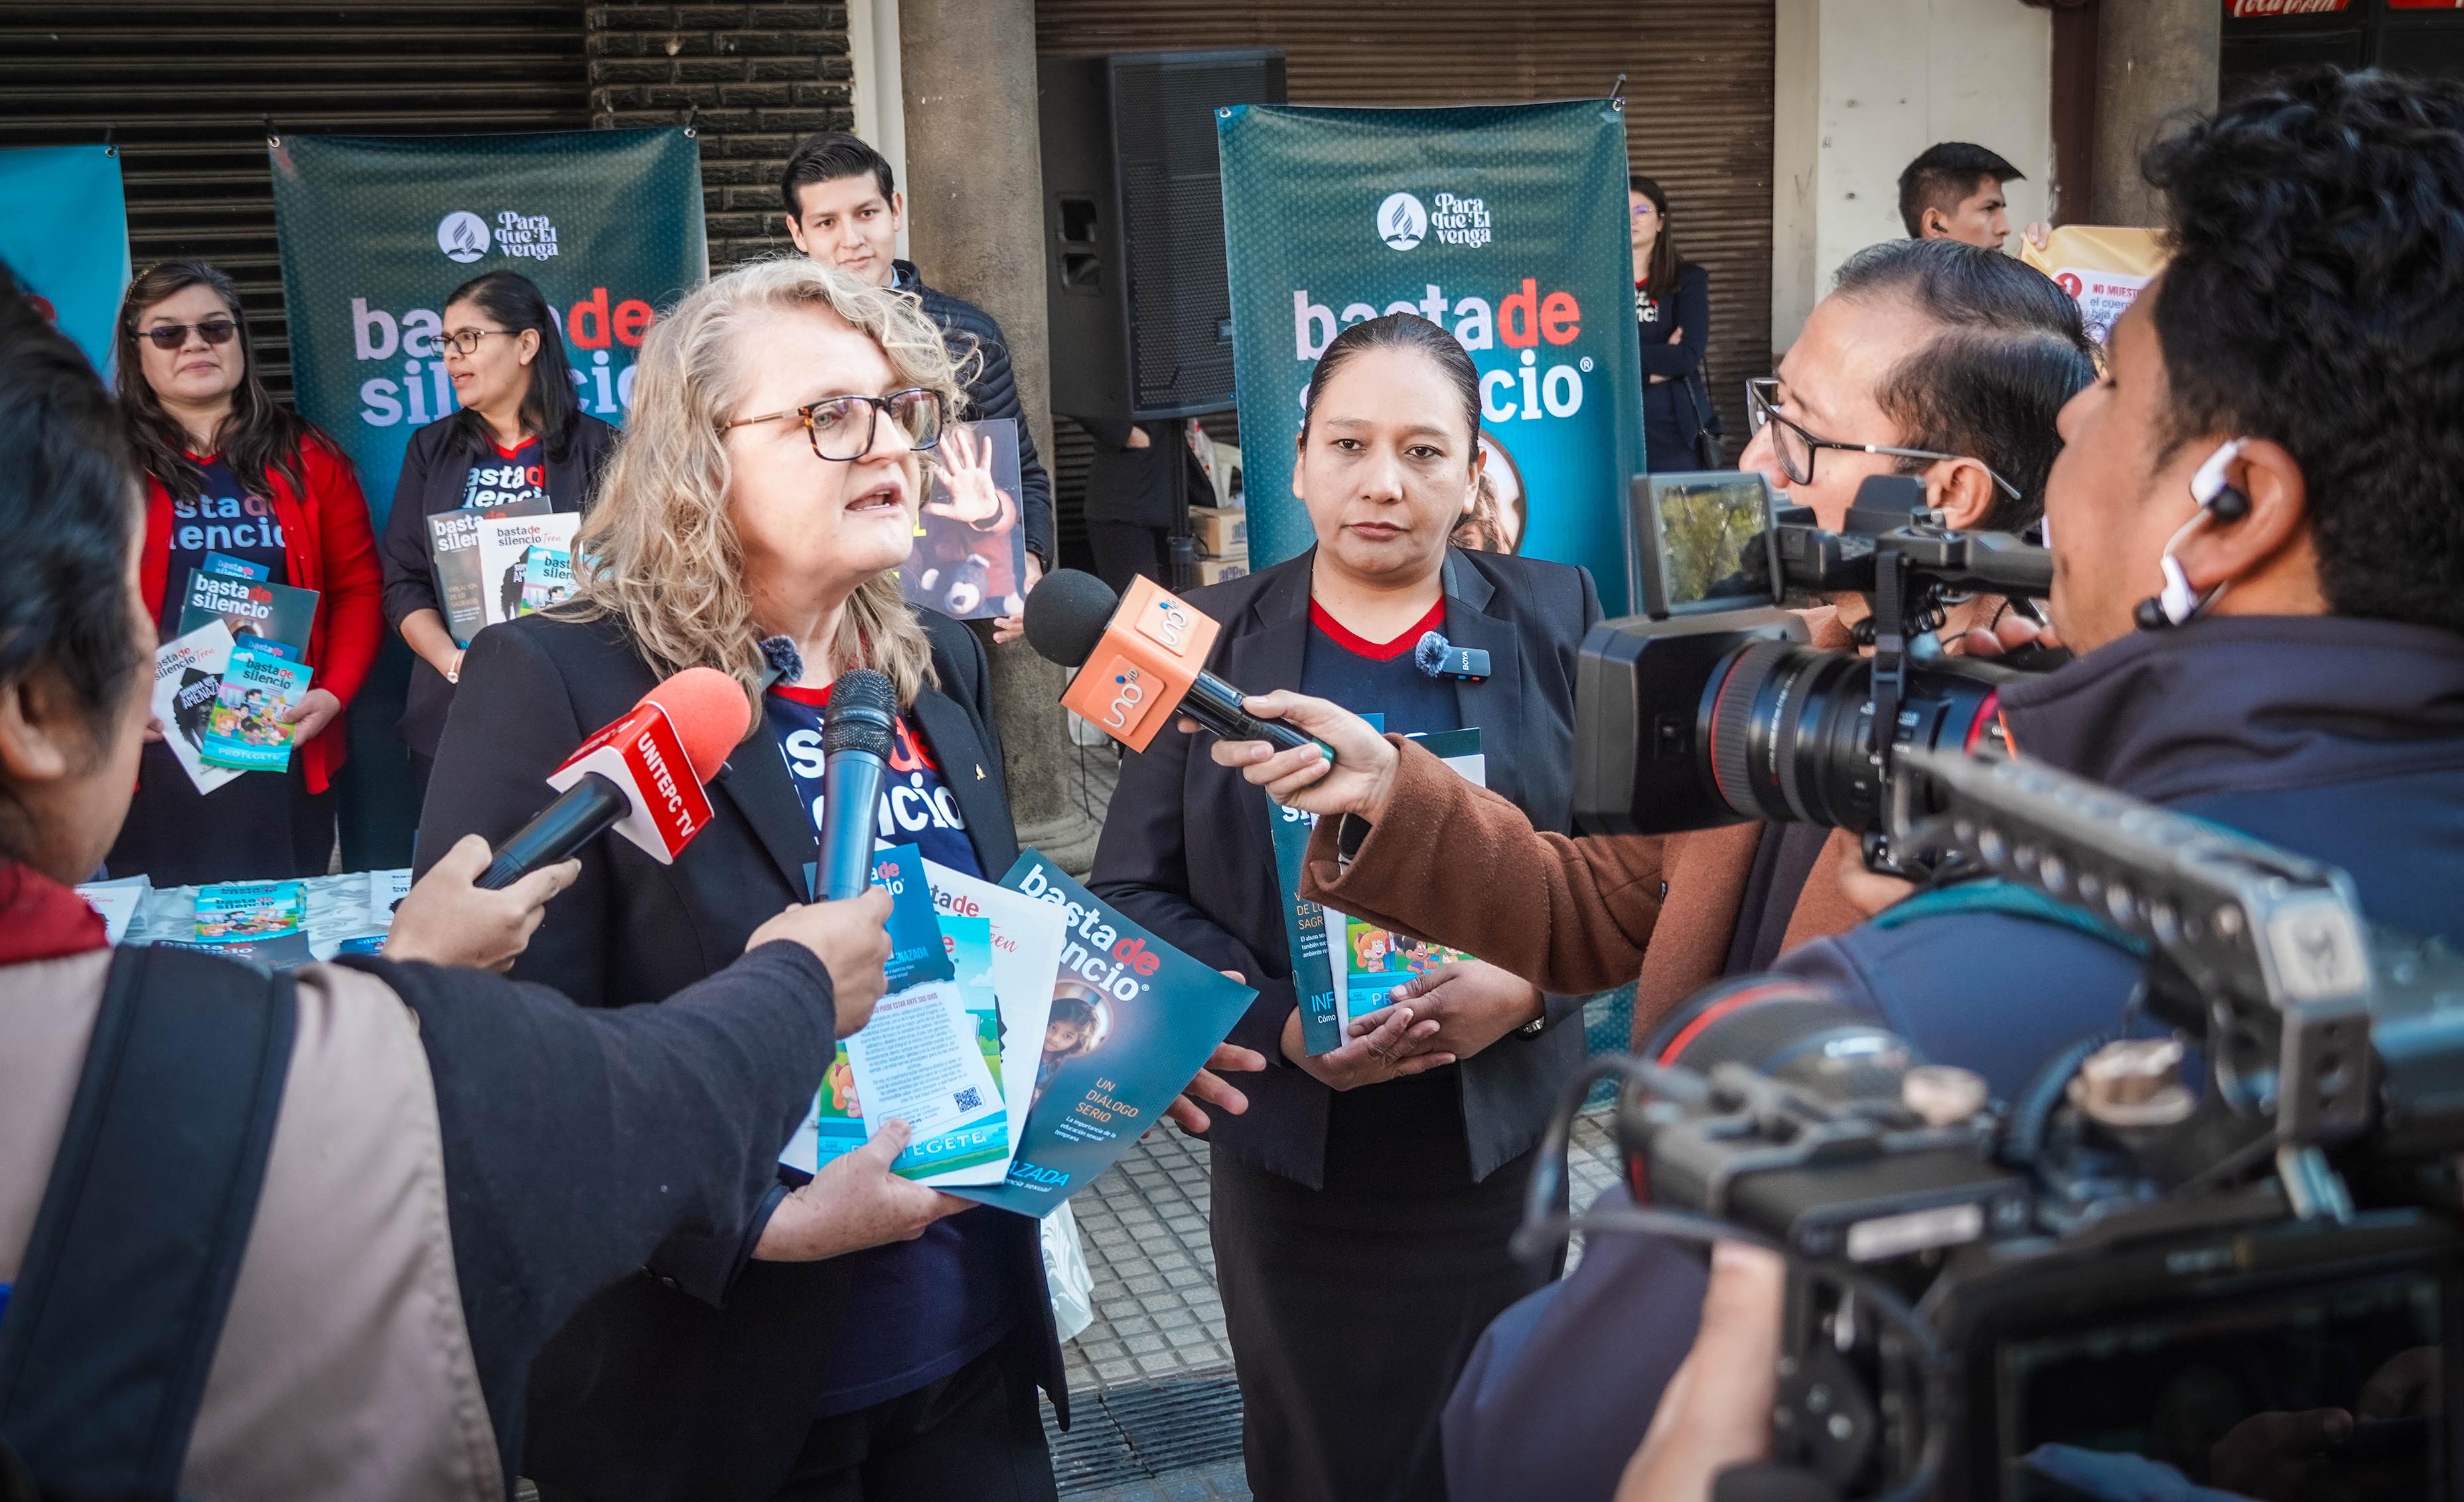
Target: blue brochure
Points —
{"points": [[1133, 1021]]}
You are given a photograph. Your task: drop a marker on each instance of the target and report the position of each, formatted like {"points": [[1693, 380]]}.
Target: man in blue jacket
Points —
{"points": [[2302, 679]]}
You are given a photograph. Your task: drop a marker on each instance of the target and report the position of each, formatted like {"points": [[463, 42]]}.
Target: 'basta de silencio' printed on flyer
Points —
{"points": [[1132, 1019]]}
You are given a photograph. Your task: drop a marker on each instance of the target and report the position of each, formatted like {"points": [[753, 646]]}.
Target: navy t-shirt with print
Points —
{"points": [[505, 476], [935, 1303], [224, 518]]}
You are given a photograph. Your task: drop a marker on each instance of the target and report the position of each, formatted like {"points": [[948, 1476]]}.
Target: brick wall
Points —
{"points": [[763, 74]]}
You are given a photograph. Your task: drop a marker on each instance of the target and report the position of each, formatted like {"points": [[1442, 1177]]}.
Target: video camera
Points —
{"points": [[2117, 1273], [1710, 706]]}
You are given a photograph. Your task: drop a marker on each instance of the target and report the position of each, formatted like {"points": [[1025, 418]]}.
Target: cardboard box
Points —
{"points": [[1220, 534], [1214, 570]]}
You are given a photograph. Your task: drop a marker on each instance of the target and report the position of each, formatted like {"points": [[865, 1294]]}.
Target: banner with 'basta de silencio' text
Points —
{"points": [[1506, 224], [377, 232]]}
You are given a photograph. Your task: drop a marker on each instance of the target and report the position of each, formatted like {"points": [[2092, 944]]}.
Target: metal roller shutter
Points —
{"points": [[1697, 102], [186, 90]]}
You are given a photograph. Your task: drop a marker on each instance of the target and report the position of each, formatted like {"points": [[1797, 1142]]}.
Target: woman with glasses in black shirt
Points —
{"points": [[520, 438]]}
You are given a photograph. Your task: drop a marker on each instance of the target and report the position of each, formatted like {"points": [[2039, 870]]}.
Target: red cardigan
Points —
{"points": [[327, 546]]}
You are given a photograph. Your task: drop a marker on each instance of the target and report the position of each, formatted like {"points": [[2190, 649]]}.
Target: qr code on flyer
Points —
{"points": [[969, 1099]]}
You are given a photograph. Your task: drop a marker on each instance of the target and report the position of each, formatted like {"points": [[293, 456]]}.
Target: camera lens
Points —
{"points": [[1791, 729], [1788, 1031]]}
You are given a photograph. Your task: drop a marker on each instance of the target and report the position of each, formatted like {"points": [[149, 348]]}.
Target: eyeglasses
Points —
{"points": [[467, 340], [842, 427], [1796, 447], [171, 336]]}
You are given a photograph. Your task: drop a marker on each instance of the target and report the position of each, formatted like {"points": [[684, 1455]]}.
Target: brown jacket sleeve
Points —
{"points": [[1459, 865]]}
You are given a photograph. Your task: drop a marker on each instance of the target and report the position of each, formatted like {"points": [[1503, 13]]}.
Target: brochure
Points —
{"points": [[1304, 930], [547, 578], [242, 731], [273, 616], [453, 548], [117, 902], [264, 923], [1368, 962], [919, 960], [1025, 940], [187, 680], [386, 891], [969, 559], [505, 544], [1132, 1020]]}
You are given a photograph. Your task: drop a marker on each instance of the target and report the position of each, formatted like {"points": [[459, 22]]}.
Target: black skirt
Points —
{"points": [[1351, 1310], [260, 826]]}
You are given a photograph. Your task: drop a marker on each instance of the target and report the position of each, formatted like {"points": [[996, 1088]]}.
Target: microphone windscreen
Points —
{"points": [[710, 714], [1067, 614], [864, 709], [1429, 653]]}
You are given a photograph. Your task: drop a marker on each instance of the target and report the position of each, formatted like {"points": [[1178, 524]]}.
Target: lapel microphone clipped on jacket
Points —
{"points": [[1440, 658]]}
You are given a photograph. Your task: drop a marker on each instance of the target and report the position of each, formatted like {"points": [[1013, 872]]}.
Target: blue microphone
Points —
{"points": [[1440, 658], [858, 732]]}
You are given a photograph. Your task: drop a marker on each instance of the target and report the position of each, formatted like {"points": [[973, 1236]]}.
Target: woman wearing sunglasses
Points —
{"points": [[521, 440], [754, 520], [228, 471]]}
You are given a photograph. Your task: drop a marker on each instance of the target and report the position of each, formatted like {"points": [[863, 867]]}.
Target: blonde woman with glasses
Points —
{"points": [[863, 1337]]}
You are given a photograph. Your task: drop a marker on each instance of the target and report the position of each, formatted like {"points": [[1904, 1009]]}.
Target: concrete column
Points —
{"points": [[975, 217], [2154, 58]]}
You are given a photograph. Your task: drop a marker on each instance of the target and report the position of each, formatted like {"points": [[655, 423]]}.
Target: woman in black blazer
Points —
{"points": [[520, 438], [864, 1337], [1362, 1205], [1672, 316]]}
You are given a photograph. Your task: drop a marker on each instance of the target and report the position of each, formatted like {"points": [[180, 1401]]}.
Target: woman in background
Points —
{"points": [[228, 471], [1672, 315], [520, 440]]}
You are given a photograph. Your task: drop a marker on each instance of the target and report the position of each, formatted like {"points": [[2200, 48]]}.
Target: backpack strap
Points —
{"points": [[2009, 900], [119, 1303]]}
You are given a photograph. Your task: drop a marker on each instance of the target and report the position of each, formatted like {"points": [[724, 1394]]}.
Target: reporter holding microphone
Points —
{"points": [[1362, 1204], [300, 1236], [859, 1337]]}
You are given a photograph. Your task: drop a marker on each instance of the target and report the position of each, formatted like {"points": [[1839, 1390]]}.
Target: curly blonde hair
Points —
{"points": [[659, 550]]}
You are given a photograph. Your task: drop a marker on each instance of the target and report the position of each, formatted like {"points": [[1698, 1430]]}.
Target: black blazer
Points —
{"points": [[700, 1377], [1186, 850], [432, 482]]}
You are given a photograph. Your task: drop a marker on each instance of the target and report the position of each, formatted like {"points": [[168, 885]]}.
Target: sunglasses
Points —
{"points": [[171, 336]]}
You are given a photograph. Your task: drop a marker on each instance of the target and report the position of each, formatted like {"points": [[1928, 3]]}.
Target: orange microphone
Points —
{"points": [[1141, 660], [641, 776]]}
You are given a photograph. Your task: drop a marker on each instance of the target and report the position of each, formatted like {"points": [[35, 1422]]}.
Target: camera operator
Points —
{"points": [[301, 1236], [1929, 357], [2277, 431]]}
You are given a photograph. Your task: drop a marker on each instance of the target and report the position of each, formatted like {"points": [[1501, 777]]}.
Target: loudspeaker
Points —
{"points": [[1141, 313]]}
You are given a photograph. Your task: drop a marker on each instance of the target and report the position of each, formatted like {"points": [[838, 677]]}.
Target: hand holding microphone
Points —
{"points": [[1140, 658], [446, 917], [1359, 780]]}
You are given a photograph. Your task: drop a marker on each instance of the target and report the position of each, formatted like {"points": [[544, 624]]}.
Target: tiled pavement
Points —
{"points": [[1149, 1381]]}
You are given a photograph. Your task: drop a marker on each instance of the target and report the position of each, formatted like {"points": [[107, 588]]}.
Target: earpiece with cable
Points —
{"points": [[2219, 500]]}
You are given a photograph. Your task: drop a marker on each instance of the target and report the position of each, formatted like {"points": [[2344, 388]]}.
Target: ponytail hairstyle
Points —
{"points": [[1401, 331], [514, 303], [259, 440], [1662, 283]]}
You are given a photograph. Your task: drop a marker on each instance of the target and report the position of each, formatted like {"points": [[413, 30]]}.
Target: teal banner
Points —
{"points": [[1504, 222], [65, 234], [376, 232]]}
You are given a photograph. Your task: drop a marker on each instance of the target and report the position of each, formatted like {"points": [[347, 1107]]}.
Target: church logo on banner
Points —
{"points": [[462, 235]]}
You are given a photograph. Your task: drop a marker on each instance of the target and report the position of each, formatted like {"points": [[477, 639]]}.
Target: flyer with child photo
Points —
{"points": [[245, 729], [1132, 1019]]}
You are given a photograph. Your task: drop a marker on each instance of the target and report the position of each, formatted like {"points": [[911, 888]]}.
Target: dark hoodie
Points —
{"points": [[2339, 739]]}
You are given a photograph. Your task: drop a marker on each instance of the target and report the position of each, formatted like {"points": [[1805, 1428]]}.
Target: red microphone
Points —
{"points": [[641, 776]]}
